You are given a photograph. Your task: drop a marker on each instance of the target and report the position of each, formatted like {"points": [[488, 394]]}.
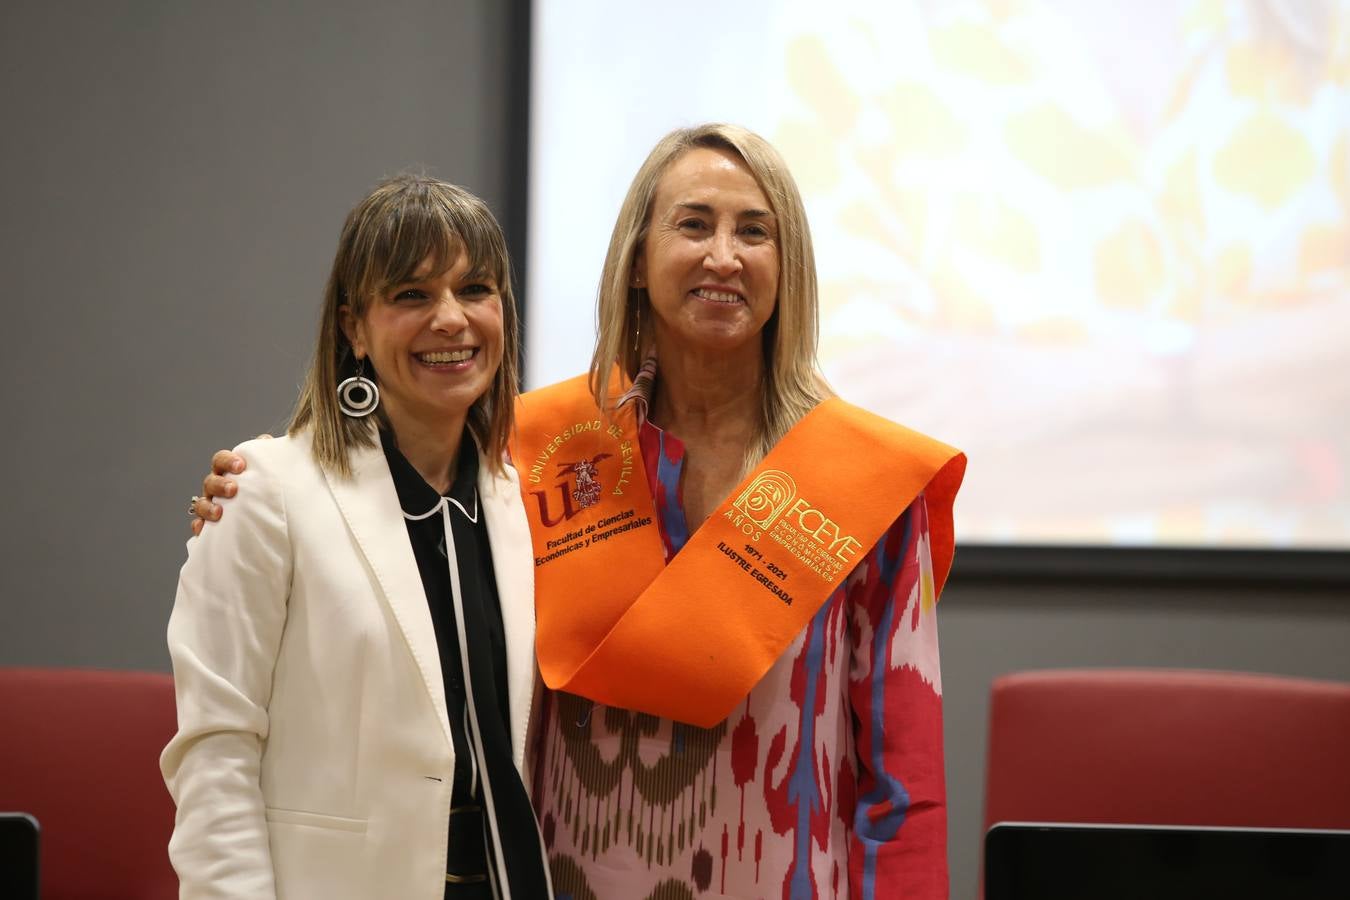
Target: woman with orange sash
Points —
{"points": [[736, 573]]}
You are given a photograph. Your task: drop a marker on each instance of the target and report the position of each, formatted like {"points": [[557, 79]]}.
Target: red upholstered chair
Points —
{"points": [[1170, 748], [80, 751]]}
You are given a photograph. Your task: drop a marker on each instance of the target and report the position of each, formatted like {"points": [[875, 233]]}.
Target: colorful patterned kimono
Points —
{"points": [[826, 782]]}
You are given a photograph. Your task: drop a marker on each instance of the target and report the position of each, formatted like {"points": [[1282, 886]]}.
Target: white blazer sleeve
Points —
{"points": [[224, 636]]}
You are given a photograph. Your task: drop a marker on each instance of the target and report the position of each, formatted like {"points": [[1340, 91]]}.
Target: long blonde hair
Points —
{"points": [[792, 383], [402, 222]]}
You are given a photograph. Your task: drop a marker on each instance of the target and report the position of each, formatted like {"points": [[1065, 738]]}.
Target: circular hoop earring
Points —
{"points": [[358, 396]]}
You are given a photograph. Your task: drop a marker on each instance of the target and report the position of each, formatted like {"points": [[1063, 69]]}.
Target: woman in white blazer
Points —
{"points": [[353, 645]]}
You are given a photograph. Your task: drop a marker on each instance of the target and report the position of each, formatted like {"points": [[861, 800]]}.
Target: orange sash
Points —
{"points": [[688, 641]]}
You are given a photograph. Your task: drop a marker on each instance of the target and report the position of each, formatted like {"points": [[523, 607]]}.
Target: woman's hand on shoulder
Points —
{"points": [[217, 484]]}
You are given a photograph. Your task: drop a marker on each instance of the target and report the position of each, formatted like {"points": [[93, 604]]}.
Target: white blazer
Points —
{"points": [[313, 756]]}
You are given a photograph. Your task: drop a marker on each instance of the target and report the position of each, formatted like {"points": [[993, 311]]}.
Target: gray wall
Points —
{"points": [[176, 174]]}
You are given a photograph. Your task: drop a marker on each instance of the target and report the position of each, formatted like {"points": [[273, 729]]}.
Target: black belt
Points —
{"points": [[466, 861]]}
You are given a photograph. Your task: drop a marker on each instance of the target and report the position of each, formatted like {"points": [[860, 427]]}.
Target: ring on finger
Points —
{"points": [[192, 505]]}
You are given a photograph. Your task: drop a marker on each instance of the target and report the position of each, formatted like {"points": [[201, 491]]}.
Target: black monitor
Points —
{"points": [[1046, 861], [18, 856]]}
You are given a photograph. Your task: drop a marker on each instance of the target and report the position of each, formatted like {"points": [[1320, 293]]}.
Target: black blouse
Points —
{"points": [[467, 860]]}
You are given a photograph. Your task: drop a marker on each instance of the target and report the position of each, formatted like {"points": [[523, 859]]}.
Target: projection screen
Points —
{"points": [[1103, 247]]}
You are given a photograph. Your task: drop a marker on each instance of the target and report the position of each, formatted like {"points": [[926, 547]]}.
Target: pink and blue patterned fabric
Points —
{"points": [[827, 782]]}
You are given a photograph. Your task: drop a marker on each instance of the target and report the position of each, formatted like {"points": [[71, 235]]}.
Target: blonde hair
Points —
{"points": [[402, 222], [792, 384]]}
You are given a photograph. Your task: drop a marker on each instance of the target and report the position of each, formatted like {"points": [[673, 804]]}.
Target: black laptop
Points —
{"points": [[1042, 861], [18, 856]]}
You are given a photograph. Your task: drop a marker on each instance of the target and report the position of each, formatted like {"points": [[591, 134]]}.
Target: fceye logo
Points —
{"points": [[771, 499], [765, 498]]}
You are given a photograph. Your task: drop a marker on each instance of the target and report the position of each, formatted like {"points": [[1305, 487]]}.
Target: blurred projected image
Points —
{"points": [[1104, 247]]}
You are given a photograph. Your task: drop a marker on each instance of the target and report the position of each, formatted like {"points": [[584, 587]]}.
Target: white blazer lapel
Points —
{"points": [[513, 562], [369, 503]]}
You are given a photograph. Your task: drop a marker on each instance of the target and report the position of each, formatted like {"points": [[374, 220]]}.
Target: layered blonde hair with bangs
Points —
{"points": [[792, 384], [401, 223]]}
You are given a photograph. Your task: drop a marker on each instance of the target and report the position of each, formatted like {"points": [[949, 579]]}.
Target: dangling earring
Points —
{"points": [[635, 283], [358, 396]]}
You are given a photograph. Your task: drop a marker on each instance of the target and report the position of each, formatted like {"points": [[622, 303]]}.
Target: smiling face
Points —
{"points": [[435, 342], [709, 261]]}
